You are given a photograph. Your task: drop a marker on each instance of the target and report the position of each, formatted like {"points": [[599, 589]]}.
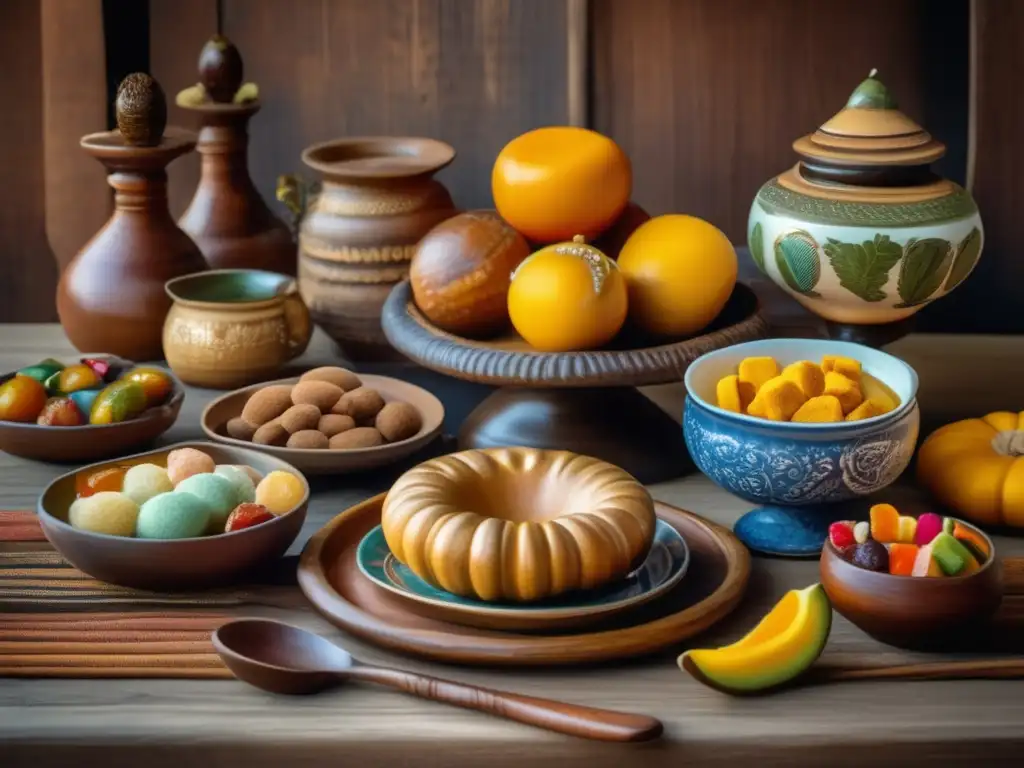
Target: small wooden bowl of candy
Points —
{"points": [[86, 408], [925, 583], [189, 516]]}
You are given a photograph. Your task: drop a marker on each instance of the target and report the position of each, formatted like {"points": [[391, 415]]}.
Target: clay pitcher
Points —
{"points": [[358, 235], [227, 217], [233, 327], [111, 296]]}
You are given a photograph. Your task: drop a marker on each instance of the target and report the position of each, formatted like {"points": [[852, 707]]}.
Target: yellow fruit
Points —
{"points": [[785, 644], [680, 271], [976, 467], [567, 296], [556, 182]]}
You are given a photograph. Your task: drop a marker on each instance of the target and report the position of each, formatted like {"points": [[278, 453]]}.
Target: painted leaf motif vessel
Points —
{"points": [[861, 230]]}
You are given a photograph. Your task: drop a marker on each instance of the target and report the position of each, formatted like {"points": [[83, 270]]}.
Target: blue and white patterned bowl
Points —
{"points": [[788, 464]]}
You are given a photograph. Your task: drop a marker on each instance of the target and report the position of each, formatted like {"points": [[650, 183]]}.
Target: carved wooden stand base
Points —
{"points": [[617, 424], [875, 336]]}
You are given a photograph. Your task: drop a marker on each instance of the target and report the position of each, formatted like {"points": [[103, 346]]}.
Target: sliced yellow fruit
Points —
{"points": [[782, 646]]}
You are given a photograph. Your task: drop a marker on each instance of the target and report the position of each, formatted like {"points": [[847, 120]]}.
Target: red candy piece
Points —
{"points": [[102, 367], [246, 516], [929, 525], [61, 412], [841, 535]]}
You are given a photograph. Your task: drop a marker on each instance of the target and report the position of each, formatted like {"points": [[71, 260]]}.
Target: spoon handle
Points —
{"points": [[561, 717]]}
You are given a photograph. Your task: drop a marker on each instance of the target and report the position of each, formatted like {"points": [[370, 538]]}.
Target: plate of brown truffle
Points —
{"points": [[329, 420]]}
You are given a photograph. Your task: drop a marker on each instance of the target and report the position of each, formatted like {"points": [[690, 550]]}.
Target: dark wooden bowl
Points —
{"points": [[917, 613], [178, 564], [91, 442]]}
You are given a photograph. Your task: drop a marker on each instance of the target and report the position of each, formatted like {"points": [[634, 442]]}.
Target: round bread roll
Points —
{"points": [[461, 271]]}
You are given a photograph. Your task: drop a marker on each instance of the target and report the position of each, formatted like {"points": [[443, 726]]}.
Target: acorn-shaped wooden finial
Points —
{"points": [[220, 69], [141, 110]]}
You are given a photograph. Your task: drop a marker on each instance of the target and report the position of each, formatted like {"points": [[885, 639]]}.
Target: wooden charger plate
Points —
{"points": [[330, 578]]}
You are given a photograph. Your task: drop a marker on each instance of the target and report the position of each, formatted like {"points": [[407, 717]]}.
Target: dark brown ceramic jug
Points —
{"points": [[228, 218], [111, 296]]}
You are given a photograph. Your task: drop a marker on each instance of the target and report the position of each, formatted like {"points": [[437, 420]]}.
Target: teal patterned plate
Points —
{"points": [[664, 567]]}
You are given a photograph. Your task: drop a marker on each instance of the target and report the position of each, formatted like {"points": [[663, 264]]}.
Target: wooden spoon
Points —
{"points": [[282, 658], [978, 669]]}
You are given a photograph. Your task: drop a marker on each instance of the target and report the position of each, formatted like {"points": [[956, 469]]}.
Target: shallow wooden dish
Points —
{"points": [[326, 461], [179, 564], [329, 577], [918, 613], [90, 442], [584, 402]]}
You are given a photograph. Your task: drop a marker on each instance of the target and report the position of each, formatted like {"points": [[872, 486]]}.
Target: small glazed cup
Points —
{"points": [[918, 613], [231, 327]]}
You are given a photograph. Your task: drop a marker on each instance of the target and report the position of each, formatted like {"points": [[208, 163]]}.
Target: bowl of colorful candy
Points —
{"points": [[188, 516], [86, 408], [797, 425], [915, 582]]}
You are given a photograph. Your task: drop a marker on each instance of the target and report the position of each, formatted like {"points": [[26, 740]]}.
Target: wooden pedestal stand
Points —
{"points": [[586, 402]]}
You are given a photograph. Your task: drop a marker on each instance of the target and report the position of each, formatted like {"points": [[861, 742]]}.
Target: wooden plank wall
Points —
{"points": [[705, 95], [474, 74], [28, 272]]}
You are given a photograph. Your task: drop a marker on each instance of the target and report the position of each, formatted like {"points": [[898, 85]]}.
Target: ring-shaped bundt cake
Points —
{"points": [[518, 524]]}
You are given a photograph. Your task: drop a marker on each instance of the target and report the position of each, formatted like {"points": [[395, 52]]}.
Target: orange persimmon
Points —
{"points": [[557, 182]]}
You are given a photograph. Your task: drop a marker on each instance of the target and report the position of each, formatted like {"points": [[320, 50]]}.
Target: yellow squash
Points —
{"points": [[976, 468], [784, 645]]}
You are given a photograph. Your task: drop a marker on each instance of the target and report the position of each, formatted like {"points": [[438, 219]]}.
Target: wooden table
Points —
{"points": [[179, 723]]}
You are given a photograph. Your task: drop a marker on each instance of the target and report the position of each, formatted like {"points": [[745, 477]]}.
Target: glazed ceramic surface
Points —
{"points": [[328, 461], [665, 565], [91, 442], [358, 235], [915, 612], [175, 564], [860, 231], [228, 328], [796, 464]]}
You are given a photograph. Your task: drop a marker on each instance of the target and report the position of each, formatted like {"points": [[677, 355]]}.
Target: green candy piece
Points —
{"points": [[216, 493], [42, 370], [952, 556], [120, 401], [947, 525], [172, 516]]}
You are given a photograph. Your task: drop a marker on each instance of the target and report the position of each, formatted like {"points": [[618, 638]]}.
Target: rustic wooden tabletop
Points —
{"points": [[175, 723]]}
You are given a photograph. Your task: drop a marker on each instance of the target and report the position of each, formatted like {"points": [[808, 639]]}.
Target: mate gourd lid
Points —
{"points": [[870, 131]]}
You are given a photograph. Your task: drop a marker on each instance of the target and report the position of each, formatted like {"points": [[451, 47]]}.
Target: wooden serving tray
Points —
{"points": [[329, 577]]}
